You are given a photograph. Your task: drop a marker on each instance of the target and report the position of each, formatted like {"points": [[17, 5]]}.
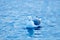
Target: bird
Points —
{"points": [[33, 24]]}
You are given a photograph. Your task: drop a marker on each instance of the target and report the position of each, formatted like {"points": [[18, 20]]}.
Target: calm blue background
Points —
{"points": [[13, 19]]}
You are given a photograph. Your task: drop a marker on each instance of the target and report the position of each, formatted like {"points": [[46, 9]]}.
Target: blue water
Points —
{"points": [[13, 19]]}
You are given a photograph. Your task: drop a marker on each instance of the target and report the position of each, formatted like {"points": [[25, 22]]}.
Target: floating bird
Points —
{"points": [[33, 24]]}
